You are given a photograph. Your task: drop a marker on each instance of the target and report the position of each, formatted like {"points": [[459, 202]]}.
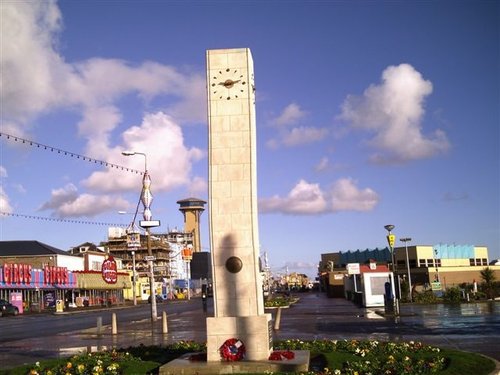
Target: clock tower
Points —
{"points": [[234, 236]]}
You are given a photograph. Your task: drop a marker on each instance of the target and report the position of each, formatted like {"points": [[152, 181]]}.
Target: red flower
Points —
{"points": [[279, 355]]}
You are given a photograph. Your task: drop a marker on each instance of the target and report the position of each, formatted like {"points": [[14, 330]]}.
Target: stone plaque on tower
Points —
{"points": [[234, 236]]}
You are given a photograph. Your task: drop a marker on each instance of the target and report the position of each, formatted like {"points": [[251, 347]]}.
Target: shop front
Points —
{"points": [[92, 290], [101, 288], [32, 289]]}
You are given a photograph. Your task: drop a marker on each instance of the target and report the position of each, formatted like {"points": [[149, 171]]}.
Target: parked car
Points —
{"points": [[7, 308]]}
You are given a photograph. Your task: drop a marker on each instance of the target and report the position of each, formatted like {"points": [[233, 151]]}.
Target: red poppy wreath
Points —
{"points": [[232, 350]]}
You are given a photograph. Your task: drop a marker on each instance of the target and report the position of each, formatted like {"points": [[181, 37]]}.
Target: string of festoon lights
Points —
{"points": [[44, 218], [70, 154], [65, 153]]}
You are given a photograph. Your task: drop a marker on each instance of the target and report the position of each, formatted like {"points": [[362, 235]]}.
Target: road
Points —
{"points": [[32, 326]]}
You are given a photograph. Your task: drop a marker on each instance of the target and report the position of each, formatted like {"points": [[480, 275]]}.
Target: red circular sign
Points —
{"points": [[109, 271]]}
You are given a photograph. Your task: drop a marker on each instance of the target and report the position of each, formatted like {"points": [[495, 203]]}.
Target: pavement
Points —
{"points": [[473, 328]]}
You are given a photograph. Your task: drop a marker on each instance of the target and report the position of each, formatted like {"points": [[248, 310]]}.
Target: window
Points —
{"points": [[430, 262], [438, 263], [472, 262], [421, 263], [378, 285], [485, 262]]}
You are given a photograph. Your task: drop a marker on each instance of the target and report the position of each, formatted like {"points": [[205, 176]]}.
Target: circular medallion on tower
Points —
{"points": [[234, 264]]}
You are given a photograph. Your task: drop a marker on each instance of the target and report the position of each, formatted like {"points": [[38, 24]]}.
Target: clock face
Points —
{"points": [[228, 84]]}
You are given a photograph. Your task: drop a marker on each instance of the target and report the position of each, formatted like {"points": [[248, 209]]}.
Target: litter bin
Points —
{"points": [[59, 305]]}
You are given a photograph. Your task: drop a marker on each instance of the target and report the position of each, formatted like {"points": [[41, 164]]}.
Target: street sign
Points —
{"points": [[149, 223], [353, 268], [150, 257], [436, 285], [391, 238]]}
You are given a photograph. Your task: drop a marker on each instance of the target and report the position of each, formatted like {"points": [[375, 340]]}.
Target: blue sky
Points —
{"points": [[368, 113]]}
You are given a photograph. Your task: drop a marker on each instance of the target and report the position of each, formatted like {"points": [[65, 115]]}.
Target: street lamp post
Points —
{"points": [[436, 265], [406, 240], [134, 293], [147, 224], [390, 240]]}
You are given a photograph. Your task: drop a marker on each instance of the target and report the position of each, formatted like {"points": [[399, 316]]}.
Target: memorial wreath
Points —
{"points": [[280, 355], [232, 350]]}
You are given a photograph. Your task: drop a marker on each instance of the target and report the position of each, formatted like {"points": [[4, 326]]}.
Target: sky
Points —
{"points": [[368, 113]]}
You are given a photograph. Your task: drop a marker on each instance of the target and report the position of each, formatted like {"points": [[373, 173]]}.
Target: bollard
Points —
{"points": [[114, 329], [277, 319], [99, 325], [164, 321]]}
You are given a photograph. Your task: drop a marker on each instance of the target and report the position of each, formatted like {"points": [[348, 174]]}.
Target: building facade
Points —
{"points": [[442, 266], [37, 276]]}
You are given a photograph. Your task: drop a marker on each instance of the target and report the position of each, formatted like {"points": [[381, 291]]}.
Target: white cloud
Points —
{"points": [[29, 61], [4, 202], [4, 198], [303, 135], [67, 202], [452, 196], [61, 196], [309, 199], [322, 165], [36, 79], [297, 135], [91, 205], [198, 186], [169, 161], [20, 188], [290, 115], [346, 196], [304, 198], [393, 111]]}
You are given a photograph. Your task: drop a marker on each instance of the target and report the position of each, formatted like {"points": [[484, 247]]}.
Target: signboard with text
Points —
{"points": [[109, 270], [353, 269]]}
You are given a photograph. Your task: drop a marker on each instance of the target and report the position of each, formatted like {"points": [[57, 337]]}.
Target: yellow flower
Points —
{"points": [[69, 365]]}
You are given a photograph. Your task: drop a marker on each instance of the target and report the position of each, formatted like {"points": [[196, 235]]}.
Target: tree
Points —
{"points": [[488, 276]]}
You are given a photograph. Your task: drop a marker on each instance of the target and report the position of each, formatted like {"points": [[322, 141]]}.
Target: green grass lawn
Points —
{"points": [[328, 357]]}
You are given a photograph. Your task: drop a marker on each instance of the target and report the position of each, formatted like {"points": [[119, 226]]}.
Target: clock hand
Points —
{"points": [[228, 82]]}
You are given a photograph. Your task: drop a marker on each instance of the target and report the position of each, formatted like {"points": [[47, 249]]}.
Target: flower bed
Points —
{"points": [[374, 357], [280, 302], [335, 357]]}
